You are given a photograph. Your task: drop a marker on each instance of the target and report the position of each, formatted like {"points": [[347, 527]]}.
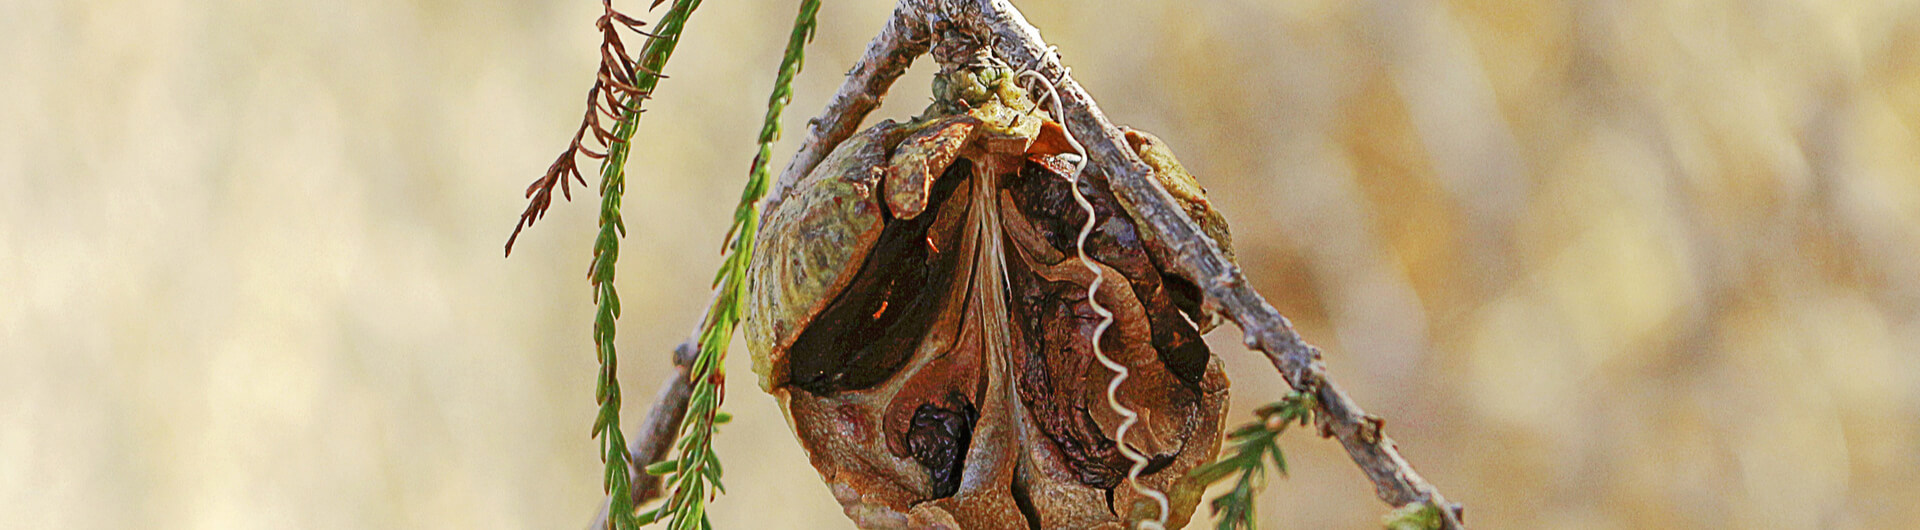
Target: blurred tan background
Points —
{"points": [[1599, 264]]}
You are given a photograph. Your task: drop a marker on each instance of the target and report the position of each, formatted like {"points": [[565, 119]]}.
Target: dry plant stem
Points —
{"points": [[1018, 42], [656, 435], [902, 40]]}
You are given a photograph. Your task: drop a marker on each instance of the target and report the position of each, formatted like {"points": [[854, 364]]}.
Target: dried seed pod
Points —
{"points": [[918, 307]]}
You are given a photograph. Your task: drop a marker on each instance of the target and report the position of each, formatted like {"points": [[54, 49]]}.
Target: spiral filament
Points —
{"points": [[1079, 159]]}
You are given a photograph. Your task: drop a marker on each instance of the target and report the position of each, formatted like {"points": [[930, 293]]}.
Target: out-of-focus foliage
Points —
{"points": [[1599, 264]]}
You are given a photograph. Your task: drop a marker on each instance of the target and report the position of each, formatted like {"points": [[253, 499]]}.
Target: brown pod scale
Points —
{"points": [[919, 308]]}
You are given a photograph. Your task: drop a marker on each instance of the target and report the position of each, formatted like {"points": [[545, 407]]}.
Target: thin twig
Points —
{"points": [[903, 39]]}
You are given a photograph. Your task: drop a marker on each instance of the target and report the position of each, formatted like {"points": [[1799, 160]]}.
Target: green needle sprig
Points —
{"points": [[606, 250], [695, 471], [1249, 448], [1418, 516], [622, 85]]}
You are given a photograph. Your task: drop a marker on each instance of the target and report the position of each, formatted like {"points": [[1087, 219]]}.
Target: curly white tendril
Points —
{"points": [[1106, 317]]}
